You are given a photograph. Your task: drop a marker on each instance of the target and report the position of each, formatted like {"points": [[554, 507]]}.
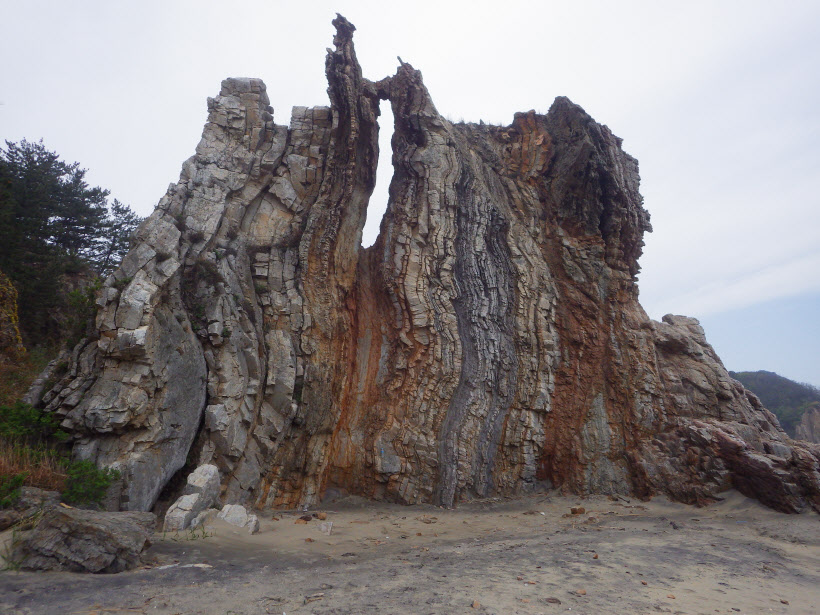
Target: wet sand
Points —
{"points": [[525, 555]]}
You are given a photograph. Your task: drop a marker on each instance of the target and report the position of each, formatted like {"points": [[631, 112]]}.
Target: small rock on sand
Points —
{"points": [[235, 514]]}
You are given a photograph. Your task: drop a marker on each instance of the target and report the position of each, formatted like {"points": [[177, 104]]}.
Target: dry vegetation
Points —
{"points": [[41, 466]]}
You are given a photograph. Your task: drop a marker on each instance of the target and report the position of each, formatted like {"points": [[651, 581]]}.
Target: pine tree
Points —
{"points": [[119, 226], [52, 223]]}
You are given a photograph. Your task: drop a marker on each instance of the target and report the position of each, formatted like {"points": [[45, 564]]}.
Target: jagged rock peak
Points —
{"points": [[489, 342]]}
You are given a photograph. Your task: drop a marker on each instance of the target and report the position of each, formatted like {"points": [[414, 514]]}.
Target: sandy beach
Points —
{"points": [[525, 555]]}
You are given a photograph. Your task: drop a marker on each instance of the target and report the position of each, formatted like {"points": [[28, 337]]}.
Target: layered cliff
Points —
{"points": [[491, 341], [809, 426]]}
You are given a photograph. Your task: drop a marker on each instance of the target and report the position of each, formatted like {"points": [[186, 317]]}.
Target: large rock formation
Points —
{"points": [[491, 341]]}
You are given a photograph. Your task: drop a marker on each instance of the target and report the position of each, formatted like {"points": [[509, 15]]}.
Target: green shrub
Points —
{"points": [[10, 489], [24, 422], [86, 483]]}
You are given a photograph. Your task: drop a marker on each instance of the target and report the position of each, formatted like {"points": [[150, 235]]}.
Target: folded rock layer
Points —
{"points": [[490, 342]]}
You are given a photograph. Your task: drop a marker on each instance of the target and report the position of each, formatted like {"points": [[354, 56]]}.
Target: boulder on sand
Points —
{"points": [[235, 514], [85, 541]]}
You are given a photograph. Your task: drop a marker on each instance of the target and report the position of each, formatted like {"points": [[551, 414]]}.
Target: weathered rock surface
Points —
{"points": [[235, 514], [491, 341], [31, 502], [182, 512], [809, 426], [205, 482], [85, 541], [35, 499], [200, 492]]}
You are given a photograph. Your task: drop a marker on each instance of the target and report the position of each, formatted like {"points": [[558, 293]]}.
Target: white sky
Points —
{"points": [[719, 101]]}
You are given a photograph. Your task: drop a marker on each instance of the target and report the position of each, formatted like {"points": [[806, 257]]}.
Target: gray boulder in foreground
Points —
{"points": [[85, 541], [182, 512]]}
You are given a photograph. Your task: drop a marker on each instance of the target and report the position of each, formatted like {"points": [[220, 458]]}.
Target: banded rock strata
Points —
{"points": [[809, 426], [490, 342]]}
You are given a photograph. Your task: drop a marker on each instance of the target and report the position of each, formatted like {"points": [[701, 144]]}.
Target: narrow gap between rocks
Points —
{"points": [[384, 173]]}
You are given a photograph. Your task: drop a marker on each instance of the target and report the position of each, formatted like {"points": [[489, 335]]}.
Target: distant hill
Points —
{"points": [[788, 399]]}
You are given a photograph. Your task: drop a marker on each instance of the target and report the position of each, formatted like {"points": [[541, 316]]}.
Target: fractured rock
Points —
{"points": [[182, 512], [200, 492], [205, 481], [490, 342], [85, 541]]}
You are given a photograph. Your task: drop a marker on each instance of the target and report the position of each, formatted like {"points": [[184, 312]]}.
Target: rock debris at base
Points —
{"points": [[84, 541]]}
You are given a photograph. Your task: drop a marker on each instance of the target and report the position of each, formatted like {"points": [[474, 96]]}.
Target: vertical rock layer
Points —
{"points": [[491, 341], [809, 426]]}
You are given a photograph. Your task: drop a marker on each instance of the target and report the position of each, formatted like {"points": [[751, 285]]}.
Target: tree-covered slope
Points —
{"points": [[788, 399]]}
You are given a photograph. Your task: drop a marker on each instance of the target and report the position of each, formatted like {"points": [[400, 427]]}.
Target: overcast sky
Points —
{"points": [[719, 101]]}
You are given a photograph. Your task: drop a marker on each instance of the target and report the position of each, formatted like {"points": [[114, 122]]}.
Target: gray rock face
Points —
{"points": [[491, 341], [85, 541]]}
